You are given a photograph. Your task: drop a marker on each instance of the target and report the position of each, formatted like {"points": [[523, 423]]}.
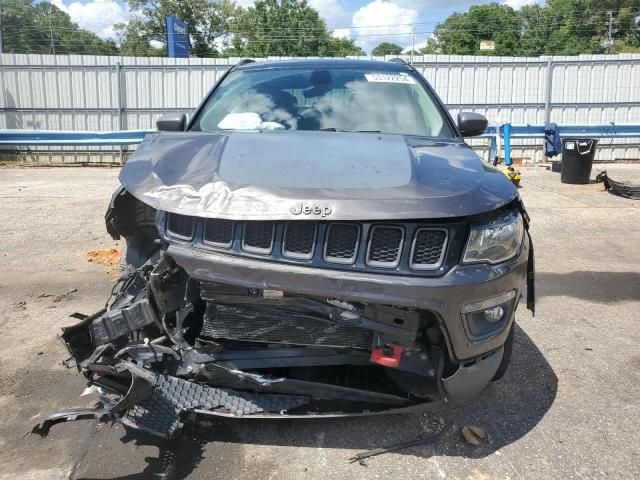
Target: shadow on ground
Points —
{"points": [[508, 410], [603, 287]]}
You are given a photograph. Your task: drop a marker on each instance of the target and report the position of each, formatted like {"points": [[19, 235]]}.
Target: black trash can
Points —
{"points": [[577, 159]]}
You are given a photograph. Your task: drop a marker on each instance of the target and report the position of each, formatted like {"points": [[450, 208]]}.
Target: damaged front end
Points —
{"points": [[186, 333], [167, 345]]}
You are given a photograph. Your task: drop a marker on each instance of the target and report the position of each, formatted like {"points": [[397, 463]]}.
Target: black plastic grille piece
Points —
{"points": [[342, 242], [428, 248], [408, 247], [251, 323], [299, 239], [258, 237], [218, 232], [160, 412], [385, 244], [180, 226]]}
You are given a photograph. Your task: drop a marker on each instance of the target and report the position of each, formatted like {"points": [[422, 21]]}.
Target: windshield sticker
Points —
{"points": [[390, 78]]}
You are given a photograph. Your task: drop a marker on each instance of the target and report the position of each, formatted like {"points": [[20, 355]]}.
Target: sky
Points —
{"points": [[367, 22]]}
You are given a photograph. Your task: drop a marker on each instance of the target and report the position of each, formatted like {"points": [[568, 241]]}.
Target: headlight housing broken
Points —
{"points": [[496, 242]]}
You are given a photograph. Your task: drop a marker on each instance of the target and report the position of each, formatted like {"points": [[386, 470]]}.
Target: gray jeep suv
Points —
{"points": [[318, 240]]}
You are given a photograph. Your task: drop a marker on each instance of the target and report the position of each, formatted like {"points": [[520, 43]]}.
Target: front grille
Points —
{"points": [[299, 239], [342, 242], [180, 226], [218, 232], [258, 237], [404, 248], [253, 323], [385, 245], [428, 248]]}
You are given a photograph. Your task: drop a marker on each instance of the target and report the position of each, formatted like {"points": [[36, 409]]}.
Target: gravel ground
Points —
{"points": [[568, 408]]}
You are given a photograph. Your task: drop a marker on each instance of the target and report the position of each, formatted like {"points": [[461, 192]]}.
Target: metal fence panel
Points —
{"points": [[83, 92]]}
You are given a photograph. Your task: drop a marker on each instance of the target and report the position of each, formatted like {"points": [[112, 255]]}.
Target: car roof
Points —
{"points": [[326, 63]]}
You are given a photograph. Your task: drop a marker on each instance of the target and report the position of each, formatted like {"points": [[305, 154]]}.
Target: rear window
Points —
{"points": [[338, 99]]}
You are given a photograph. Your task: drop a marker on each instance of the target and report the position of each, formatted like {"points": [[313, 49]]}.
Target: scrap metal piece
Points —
{"points": [[624, 189], [42, 428], [225, 377], [156, 403], [362, 456], [469, 380], [122, 321]]}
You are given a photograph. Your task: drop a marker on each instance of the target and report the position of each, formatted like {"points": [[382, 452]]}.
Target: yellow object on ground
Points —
{"points": [[513, 175]]}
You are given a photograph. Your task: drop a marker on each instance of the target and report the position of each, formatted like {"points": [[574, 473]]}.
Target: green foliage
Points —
{"points": [[431, 47], [294, 28], [560, 27], [133, 40], [460, 34], [209, 25], [285, 28], [341, 47], [386, 48], [221, 28], [44, 28]]}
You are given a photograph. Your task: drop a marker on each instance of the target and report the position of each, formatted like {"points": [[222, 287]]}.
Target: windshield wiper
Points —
{"points": [[333, 129]]}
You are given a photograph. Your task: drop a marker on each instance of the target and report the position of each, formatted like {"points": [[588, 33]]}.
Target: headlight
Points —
{"points": [[495, 242]]}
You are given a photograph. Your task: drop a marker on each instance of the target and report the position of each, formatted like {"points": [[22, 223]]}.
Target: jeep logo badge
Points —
{"points": [[302, 209]]}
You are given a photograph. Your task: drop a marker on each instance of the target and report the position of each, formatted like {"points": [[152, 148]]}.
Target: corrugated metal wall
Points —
{"points": [[78, 92]]}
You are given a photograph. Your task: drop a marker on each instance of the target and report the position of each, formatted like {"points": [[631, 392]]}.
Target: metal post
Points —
{"points": [[506, 134], [609, 37], [493, 149], [119, 105], [549, 87], [1, 29], [413, 45]]}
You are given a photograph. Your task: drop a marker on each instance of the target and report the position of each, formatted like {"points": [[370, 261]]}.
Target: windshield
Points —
{"points": [[337, 99]]}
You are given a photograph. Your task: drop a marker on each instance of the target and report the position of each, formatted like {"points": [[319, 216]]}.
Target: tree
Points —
{"points": [[44, 28], [284, 27], [341, 47], [559, 27], [431, 47], [461, 33], [134, 41], [209, 24], [386, 48]]}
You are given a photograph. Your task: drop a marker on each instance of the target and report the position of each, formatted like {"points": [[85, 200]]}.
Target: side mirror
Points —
{"points": [[172, 122], [472, 124]]}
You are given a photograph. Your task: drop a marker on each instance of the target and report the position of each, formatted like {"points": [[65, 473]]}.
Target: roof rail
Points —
{"points": [[399, 60]]}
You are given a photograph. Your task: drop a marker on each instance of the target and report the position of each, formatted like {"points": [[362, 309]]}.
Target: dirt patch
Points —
{"points": [[109, 257]]}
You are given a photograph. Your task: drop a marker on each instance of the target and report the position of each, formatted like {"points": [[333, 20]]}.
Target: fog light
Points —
{"points": [[494, 314], [489, 316]]}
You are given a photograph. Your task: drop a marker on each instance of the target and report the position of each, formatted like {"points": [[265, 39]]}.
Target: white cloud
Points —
{"points": [[516, 4], [418, 46], [96, 16], [245, 3], [426, 4], [331, 11], [384, 21], [342, 33]]}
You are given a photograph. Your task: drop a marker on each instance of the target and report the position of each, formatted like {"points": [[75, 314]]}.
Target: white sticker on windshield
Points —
{"points": [[390, 78]]}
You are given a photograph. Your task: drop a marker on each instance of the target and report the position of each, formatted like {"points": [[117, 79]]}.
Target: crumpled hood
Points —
{"points": [[281, 175]]}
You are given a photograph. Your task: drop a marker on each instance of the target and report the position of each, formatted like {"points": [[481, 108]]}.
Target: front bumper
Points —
{"points": [[443, 296]]}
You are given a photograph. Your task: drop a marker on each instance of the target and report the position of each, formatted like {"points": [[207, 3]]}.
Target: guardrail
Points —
{"points": [[71, 138], [494, 133], [508, 131]]}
